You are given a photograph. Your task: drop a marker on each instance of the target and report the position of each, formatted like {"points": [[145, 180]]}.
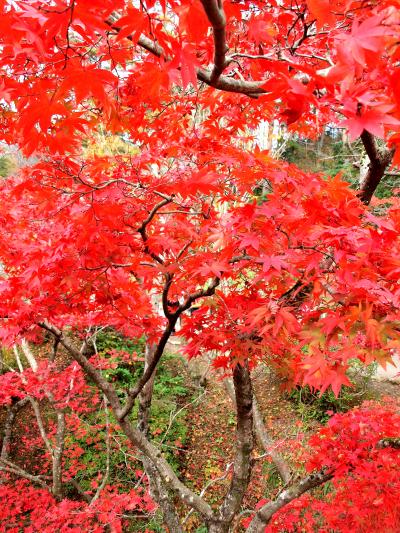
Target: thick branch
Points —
{"points": [[78, 489], [147, 374], [172, 320], [162, 497], [379, 161], [58, 455], [40, 424], [389, 442], [216, 16], [152, 213], [56, 451], [201, 293], [12, 412], [267, 511], [223, 83], [29, 355], [142, 228], [268, 444], [146, 395], [164, 297], [158, 491], [106, 474], [12, 468], [169, 478]]}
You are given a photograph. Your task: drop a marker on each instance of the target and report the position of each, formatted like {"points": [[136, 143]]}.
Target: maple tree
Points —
{"points": [[305, 281]]}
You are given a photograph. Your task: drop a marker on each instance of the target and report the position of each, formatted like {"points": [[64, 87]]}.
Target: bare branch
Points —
{"points": [[146, 395], [223, 83], [165, 301], [40, 424], [267, 511], [12, 412], [53, 354], [201, 293], [157, 207], [29, 355], [172, 320], [174, 415], [108, 453], [232, 85], [209, 484], [168, 476], [262, 435], [160, 494], [157, 489], [142, 228], [135, 391], [57, 455], [19, 364], [12, 468], [78, 489], [268, 444], [389, 442]]}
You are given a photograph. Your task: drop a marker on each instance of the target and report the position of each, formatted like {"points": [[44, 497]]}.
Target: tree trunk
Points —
{"points": [[57, 456], [244, 443], [157, 489], [146, 395], [261, 433]]}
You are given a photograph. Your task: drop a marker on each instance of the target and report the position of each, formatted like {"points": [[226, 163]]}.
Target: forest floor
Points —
{"points": [[209, 447], [211, 426]]}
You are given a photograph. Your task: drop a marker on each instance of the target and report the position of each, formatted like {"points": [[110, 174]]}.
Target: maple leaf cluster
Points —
{"points": [[363, 492], [68, 66], [33, 509]]}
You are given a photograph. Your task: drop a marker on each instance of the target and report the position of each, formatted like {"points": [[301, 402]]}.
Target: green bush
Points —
{"points": [[108, 339]]}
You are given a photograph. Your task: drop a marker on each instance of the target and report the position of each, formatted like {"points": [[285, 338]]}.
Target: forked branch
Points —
{"points": [[169, 479], [222, 83]]}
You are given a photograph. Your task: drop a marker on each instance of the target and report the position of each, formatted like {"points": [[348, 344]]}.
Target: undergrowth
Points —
{"points": [[312, 405]]}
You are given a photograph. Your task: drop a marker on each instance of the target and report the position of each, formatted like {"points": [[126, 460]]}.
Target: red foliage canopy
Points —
{"points": [[306, 280]]}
